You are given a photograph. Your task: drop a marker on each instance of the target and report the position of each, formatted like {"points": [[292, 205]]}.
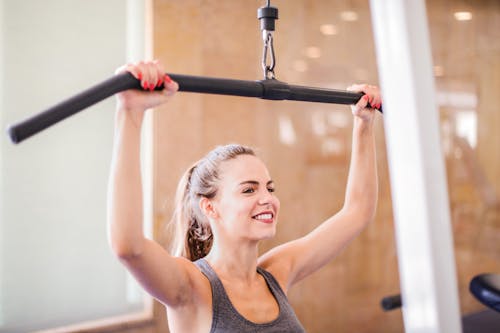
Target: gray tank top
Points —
{"points": [[226, 319]]}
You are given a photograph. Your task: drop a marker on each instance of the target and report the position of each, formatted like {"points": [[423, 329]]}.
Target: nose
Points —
{"points": [[266, 198]]}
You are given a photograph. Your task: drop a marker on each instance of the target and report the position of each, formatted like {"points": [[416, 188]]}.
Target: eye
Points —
{"points": [[248, 190], [271, 189]]}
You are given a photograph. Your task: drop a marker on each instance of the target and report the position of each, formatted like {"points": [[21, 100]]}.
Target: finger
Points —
{"points": [[377, 99], [373, 92], [370, 99], [152, 75], [130, 68], [171, 87], [160, 73], [360, 105], [365, 90], [157, 74], [144, 74], [363, 102], [148, 79]]}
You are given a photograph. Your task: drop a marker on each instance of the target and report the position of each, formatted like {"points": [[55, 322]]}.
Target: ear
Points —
{"points": [[207, 207]]}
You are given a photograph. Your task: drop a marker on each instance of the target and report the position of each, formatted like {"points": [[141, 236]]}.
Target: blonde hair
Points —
{"points": [[193, 236]]}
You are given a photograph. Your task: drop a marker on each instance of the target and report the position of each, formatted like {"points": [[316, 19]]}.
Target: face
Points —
{"points": [[245, 205]]}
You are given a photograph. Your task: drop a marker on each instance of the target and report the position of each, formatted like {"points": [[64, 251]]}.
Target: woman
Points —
{"points": [[216, 282]]}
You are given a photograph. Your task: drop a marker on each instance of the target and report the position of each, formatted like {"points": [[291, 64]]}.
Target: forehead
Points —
{"points": [[243, 168]]}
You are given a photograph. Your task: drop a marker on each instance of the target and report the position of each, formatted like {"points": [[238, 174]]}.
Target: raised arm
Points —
{"points": [[299, 258], [162, 275]]}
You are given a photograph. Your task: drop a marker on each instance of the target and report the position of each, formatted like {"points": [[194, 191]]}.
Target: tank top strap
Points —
{"points": [[217, 290], [273, 284]]}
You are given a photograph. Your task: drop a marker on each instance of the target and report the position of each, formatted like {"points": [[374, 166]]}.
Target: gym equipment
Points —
{"points": [[269, 88], [486, 288], [391, 302]]}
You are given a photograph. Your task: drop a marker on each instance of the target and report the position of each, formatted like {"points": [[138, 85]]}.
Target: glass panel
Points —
{"points": [[466, 57], [56, 266]]}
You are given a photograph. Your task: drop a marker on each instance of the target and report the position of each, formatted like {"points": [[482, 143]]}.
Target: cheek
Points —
{"points": [[246, 207], [277, 203], [234, 209], [243, 209]]}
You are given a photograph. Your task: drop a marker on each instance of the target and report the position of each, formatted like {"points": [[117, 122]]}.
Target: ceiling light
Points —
{"points": [[313, 52], [438, 71], [349, 16], [463, 16], [328, 29], [286, 130]]}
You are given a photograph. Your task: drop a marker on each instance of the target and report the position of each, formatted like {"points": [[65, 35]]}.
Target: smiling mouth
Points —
{"points": [[264, 217]]}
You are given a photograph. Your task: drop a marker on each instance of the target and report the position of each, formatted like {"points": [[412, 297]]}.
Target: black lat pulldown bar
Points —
{"points": [[267, 89]]}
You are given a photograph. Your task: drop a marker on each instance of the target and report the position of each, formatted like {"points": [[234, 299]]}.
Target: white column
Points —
{"points": [[2, 132], [418, 181], [136, 51]]}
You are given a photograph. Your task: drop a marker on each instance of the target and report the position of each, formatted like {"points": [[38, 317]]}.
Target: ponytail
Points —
{"points": [[192, 237]]}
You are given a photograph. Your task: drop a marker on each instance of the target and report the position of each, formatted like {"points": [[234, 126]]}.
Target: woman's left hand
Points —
{"points": [[366, 106]]}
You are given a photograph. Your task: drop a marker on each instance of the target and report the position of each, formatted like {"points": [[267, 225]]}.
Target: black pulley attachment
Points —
{"points": [[267, 15]]}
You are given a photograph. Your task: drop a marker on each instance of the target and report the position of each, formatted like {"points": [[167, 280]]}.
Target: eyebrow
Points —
{"points": [[254, 182]]}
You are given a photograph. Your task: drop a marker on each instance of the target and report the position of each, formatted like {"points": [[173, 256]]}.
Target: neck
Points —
{"points": [[237, 260]]}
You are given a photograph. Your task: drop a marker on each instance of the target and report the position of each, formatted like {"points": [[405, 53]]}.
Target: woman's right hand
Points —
{"points": [[151, 74]]}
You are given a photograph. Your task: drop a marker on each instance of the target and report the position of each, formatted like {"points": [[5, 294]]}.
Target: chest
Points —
{"points": [[255, 303]]}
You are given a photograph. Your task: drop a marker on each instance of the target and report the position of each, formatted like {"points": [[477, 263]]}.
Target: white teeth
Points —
{"points": [[264, 216]]}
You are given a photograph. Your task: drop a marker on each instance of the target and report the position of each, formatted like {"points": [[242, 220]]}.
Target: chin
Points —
{"points": [[261, 231], [268, 236], [265, 235]]}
